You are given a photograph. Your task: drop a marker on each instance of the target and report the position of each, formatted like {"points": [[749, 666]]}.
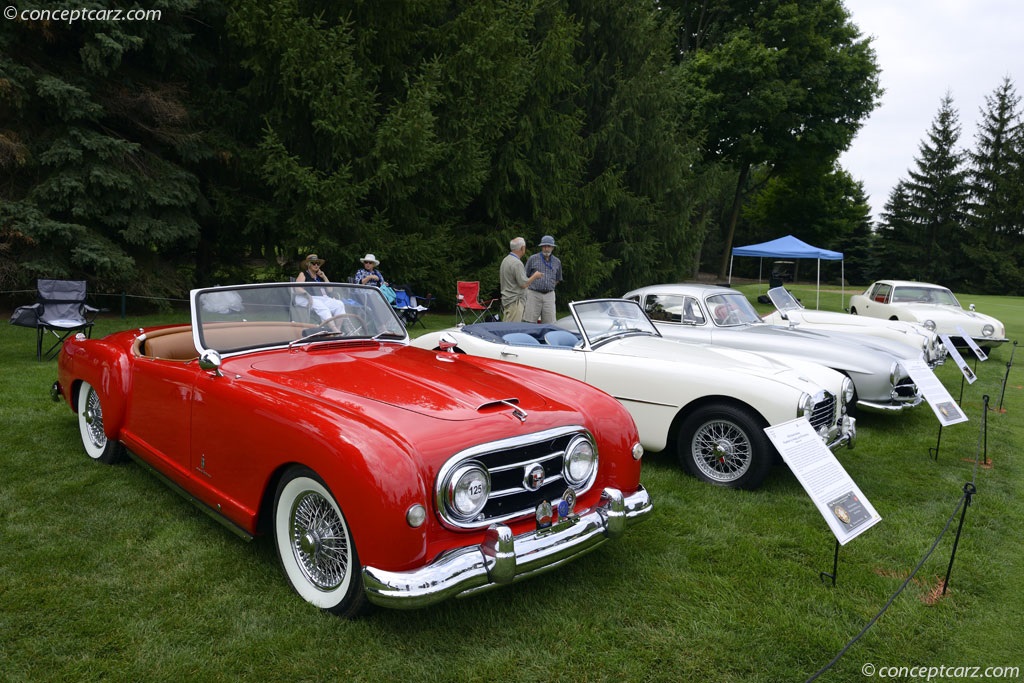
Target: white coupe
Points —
{"points": [[934, 306], [709, 405]]}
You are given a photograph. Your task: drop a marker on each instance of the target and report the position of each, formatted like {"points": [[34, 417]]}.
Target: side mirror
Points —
{"points": [[446, 344], [211, 360], [971, 307]]}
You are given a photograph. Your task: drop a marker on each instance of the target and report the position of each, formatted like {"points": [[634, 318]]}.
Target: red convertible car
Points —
{"points": [[384, 473]]}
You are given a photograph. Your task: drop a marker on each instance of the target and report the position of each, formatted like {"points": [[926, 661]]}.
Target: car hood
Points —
{"points": [[412, 379], [947, 313], [705, 355]]}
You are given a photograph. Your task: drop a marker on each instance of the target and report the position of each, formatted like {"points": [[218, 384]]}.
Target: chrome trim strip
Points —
{"points": [[503, 558]]}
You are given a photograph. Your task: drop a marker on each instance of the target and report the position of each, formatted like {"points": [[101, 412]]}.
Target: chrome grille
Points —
{"points": [[824, 413], [507, 462]]}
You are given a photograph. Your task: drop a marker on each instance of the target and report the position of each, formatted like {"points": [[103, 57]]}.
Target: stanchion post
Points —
{"points": [[984, 430]]}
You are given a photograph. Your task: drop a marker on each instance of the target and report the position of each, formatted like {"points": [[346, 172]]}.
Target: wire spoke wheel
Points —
{"points": [[725, 445], [722, 451], [314, 544], [320, 542]]}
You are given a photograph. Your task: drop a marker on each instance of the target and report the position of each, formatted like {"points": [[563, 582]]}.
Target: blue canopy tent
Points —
{"points": [[791, 247]]}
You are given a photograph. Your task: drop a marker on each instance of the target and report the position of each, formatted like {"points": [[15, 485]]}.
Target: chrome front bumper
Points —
{"points": [[895, 406], [846, 436], [503, 558]]}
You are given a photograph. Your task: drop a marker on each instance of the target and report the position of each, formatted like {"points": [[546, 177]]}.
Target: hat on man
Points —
{"points": [[312, 258], [372, 259], [547, 241]]}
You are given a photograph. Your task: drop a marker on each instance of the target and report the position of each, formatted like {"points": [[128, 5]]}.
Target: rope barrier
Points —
{"points": [[969, 490]]}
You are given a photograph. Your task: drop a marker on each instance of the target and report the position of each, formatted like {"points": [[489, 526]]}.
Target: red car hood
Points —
{"points": [[429, 383]]}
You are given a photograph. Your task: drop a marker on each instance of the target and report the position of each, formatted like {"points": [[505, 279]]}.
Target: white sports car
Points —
{"points": [[723, 317], [710, 405], [790, 312], [933, 306]]}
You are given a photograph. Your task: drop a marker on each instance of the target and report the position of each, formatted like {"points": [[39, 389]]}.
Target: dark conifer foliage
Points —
{"points": [[96, 144]]}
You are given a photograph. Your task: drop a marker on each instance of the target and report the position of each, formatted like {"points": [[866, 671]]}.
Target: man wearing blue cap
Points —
{"points": [[540, 297]]}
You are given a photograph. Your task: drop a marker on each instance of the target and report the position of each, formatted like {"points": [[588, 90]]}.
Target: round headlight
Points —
{"points": [[847, 390], [929, 324], [468, 487], [988, 331], [580, 461], [806, 405]]}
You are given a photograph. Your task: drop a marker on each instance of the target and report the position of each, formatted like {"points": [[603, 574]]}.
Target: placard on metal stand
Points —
{"points": [[838, 498]]}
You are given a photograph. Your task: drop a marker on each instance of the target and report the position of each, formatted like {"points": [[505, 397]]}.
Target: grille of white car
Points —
{"points": [[824, 413]]}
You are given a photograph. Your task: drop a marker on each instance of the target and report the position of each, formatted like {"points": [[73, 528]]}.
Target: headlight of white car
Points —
{"points": [[988, 331], [806, 406], [466, 490]]}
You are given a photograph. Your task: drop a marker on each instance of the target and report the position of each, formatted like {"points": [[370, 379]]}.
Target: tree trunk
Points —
{"points": [[734, 213]]}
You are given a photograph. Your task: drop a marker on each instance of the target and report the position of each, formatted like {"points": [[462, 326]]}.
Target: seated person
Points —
{"points": [[368, 274], [324, 306]]}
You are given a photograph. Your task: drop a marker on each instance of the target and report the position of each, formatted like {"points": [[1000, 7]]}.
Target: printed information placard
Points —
{"points": [[943, 405], [839, 500], [982, 356], [958, 359]]}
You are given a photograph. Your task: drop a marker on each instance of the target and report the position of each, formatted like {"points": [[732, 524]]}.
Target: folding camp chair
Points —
{"points": [[408, 307], [60, 310], [470, 306]]}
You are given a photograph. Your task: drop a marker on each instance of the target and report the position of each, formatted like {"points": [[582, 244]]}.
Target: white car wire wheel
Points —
{"points": [[90, 426], [315, 546], [725, 445]]}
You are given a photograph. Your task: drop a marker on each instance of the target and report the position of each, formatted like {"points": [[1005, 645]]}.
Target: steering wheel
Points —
{"points": [[346, 323]]}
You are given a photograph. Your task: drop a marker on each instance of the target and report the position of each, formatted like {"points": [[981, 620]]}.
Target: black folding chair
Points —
{"points": [[59, 310]]}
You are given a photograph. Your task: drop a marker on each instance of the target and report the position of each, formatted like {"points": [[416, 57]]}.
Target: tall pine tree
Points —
{"points": [[995, 224], [923, 224]]}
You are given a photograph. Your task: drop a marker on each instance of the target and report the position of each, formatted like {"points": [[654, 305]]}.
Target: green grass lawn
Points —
{"points": [[107, 575]]}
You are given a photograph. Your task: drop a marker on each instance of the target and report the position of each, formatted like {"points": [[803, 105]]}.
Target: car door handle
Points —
{"points": [[512, 354]]}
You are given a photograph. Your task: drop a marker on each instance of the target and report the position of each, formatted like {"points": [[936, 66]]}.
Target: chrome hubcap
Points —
{"points": [[94, 420]]}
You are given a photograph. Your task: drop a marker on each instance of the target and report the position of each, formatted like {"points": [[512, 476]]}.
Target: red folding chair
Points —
{"points": [[470, 309]]}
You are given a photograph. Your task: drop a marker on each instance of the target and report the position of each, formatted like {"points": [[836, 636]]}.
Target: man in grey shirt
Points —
{"points": [[514, 282]]}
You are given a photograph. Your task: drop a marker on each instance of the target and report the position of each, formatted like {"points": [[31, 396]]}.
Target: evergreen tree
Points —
{"points": [[97, 139], [996, 224], [923, 225]]}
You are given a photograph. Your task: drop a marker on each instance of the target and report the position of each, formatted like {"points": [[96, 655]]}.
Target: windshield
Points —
{"points": [[731, 309], [252, 317], [605, 319], [917, 294], [784, 299]]}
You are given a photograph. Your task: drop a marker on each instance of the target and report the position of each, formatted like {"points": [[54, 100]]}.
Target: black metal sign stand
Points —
{"points": [[1006, 378], [835, 567], [934, 452], [969, 490]]}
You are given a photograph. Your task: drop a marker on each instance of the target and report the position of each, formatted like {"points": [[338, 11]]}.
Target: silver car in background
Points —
{"points": [[723, 317], [790, 312]]}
